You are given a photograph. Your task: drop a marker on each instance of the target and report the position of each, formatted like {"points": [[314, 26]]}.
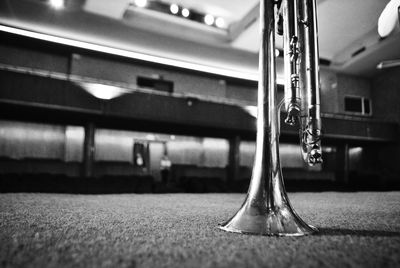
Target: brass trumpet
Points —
{"points": [[266, 209]]}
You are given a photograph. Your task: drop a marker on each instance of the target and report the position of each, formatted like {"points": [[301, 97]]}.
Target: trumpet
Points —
{"points": [[267, 209]]}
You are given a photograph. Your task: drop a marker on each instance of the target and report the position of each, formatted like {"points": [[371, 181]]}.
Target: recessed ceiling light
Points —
{"points": [[220, 22], [185, 12], [57, 4], [209, 19], [174, 8], [141, 3]]}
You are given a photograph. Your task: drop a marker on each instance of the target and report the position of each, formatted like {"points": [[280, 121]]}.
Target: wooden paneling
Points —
{"points": [[74, 137], [27, 140], [113, 145], [20, 140]]}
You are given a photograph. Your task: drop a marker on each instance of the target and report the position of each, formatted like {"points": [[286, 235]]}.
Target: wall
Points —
{"points": [[351, 86], [113, 145], [329, 91], [65, 143], [386, 107], [114, 148], [334, 87], [124, 72], [19, 140], [386, 95], [40, 57], [105, 69], [40, 148]]}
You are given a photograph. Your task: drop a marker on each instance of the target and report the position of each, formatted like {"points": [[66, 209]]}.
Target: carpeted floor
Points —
{"points": [[180, 230]]}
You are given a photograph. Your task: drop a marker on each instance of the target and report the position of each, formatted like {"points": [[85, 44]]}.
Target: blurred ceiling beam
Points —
{"points": [[237, 28], [114, 9], [169, 25]]}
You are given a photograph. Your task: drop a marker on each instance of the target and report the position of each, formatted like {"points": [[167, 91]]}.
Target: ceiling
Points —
{"points": [[345, 26]]}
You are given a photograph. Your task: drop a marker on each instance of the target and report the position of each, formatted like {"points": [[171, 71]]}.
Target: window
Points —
{"points": [[156, 84], [357, 105]]}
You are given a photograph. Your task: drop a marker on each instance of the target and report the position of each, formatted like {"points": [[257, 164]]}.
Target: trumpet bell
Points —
{"points": [[259, 221], [268, 214]]}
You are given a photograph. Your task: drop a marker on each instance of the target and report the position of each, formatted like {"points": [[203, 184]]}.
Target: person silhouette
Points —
{"points": [[165, 166]]}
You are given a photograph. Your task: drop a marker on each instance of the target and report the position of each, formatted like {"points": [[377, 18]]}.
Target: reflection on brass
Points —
{"points": [[266, 209]]}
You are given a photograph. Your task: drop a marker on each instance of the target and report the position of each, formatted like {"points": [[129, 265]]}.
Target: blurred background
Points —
{"points": [[140, 96]]}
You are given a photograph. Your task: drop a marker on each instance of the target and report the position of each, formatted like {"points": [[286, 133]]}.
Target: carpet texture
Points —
{"points": [[180, 230]]}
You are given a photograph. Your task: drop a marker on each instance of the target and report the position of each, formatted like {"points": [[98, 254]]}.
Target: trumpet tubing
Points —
{"points": [[267, 209], [291, 52], [311, 127]]}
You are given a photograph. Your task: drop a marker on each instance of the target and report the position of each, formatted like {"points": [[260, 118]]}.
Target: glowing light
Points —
{"points": [[388, 64], [355, 150], [185, 12], [252, 110], [57, 4], [150, 137], [328, 149], [277, 52], [141, 3], [388, 20], [252, 76], [100, 91], [220, 22], [209, 19], [280, 80], [75, 133], [174, 8]]}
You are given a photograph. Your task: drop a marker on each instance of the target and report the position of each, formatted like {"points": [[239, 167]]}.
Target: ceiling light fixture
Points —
{"points": [[101, 91], [209, 19], [141, 3], [388, 64], [220, 22], [57, 4], [185, 12], [174, 8], [389, 18]]}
